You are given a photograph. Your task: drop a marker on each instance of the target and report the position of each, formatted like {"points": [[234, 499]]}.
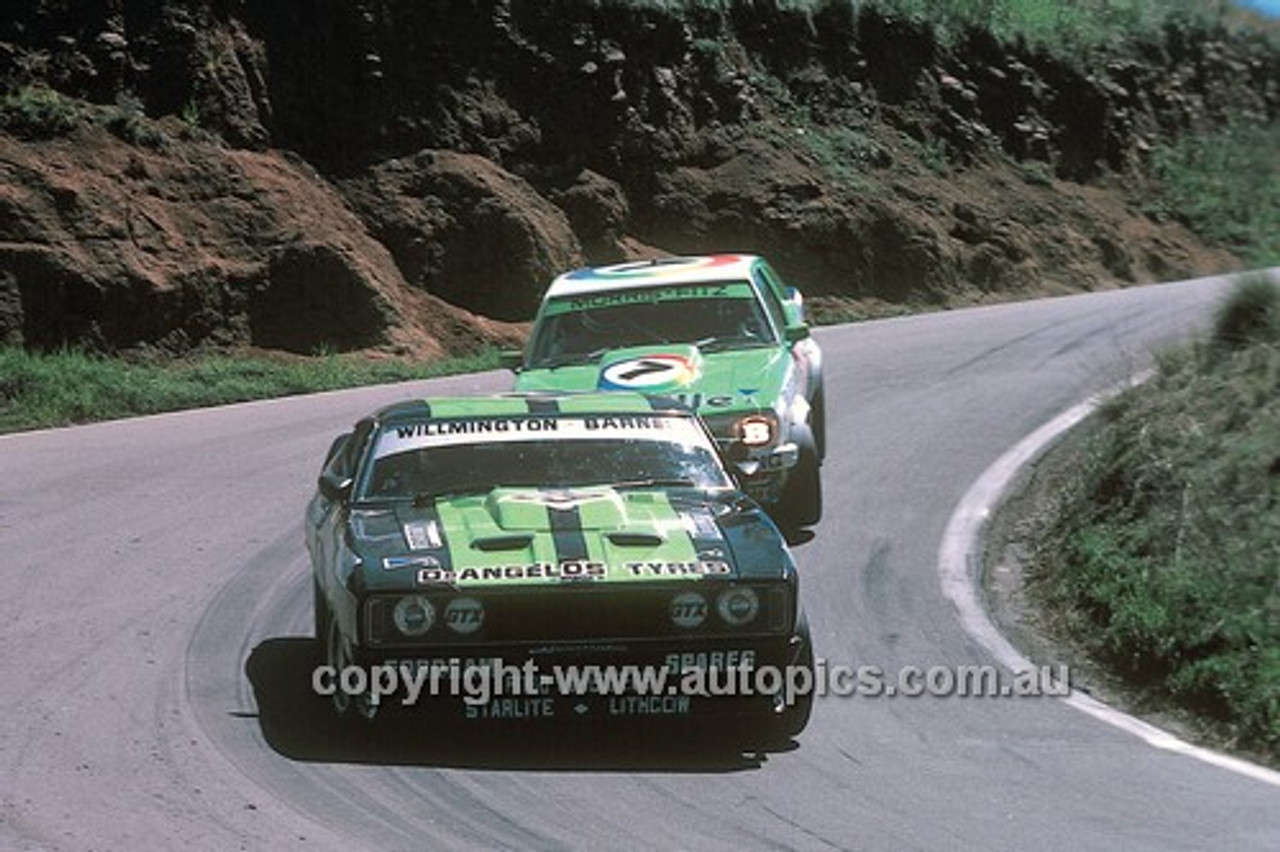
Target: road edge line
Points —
{"points": [[960, 568]]}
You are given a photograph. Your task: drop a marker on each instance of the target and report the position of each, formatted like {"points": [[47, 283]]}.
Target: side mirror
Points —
{"points": [[795, 301], [334, 487], [511, 359], [796, 333], [336, 447]]}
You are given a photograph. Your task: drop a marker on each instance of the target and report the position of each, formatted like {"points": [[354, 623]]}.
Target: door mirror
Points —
{"points": [[334, 487], [796, 333]]}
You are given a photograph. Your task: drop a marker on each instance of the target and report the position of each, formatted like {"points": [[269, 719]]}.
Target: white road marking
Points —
{"points": [[960, 566]]}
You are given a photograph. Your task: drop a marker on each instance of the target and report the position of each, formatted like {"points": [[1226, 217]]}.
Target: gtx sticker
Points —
{"points": [[464, 615], [650, 372], [688, 609], [568, 570]]}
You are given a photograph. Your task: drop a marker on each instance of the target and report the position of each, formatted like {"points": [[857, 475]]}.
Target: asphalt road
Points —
{"points": [[155, 609]]}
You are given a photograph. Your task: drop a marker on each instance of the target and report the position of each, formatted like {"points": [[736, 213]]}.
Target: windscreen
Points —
{"points": [[465, 455], [713, 316]]}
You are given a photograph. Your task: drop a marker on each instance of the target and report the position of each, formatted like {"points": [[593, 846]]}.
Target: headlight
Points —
{"points": [[464, 615], [688, 609], [414, 615], [738, 606]]}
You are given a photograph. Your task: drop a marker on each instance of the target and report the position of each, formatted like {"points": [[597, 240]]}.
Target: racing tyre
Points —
{"points": [[818, 423], [801, 503], [794, 717], [338, 654], [321, 616]]}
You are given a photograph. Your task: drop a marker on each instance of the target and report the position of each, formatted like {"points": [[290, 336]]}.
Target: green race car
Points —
{"points": [[558, 556], [721, 333]]}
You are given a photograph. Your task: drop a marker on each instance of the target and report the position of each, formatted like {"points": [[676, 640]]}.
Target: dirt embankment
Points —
{"points": [[404, 177]]}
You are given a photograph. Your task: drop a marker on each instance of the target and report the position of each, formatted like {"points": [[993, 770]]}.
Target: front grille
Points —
{"points": [[575, 612]]}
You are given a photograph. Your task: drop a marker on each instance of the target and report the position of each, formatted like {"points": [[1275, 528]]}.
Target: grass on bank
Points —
{"points": [[1164, 561], [1225, 186], [65, 388], [1069, 30]]}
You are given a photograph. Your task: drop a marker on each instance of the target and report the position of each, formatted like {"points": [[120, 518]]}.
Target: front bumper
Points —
{"points": [[671, 679], [762, 472]]}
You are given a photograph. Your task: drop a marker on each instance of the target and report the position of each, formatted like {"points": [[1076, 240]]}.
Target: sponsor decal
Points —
{"points": [[427, 563], [442, 433], [658, 269], [512, 708], [477, 426], [731, 658], [649, 295], [688, 609], [702, 567], [555, 499], [464, 615], [649, 705], [649, 373], [577, 569], [698, 400], [423, 535]]}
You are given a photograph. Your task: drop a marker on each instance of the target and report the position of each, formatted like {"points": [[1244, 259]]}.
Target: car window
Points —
{"points": [[770, 287], [476, 455], [343, 464], [540, 464], [716, 322]]}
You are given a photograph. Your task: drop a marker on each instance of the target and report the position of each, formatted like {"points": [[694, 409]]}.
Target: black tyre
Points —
{"points": [[320, 616], [339, 655], [793, 718], [801, 502], [818, 423]]}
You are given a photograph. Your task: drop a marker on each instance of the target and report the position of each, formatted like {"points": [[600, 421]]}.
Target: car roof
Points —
{"points": [[660, 272], [535, 403]]}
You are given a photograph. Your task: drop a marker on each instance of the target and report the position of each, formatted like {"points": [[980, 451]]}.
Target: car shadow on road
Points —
{"points": [[300, 725]]}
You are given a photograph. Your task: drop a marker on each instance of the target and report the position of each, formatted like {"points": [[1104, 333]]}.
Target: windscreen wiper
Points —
{"points": [[576, 359]]}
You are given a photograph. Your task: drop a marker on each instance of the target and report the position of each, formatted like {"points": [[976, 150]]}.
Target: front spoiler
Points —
{"points": [[721, 677]]}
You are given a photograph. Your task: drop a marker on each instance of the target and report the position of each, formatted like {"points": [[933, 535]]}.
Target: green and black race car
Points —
{"points": [[723, 334], [576, 556]]}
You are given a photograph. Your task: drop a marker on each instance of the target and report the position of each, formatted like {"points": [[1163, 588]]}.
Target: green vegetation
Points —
{"points": [[1165, 560], [128, 121], [1066, 30], [1226, 186], [38, 112], [70, 387]]}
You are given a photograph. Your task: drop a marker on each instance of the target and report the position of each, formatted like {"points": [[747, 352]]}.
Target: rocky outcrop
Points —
{"points": [[462, 228], [112, 245], [387, 174]]}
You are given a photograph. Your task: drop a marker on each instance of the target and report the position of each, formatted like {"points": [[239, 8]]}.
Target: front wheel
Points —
{"points": [[339, 655], [818, 423], [801, 502], [792, 718]]}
